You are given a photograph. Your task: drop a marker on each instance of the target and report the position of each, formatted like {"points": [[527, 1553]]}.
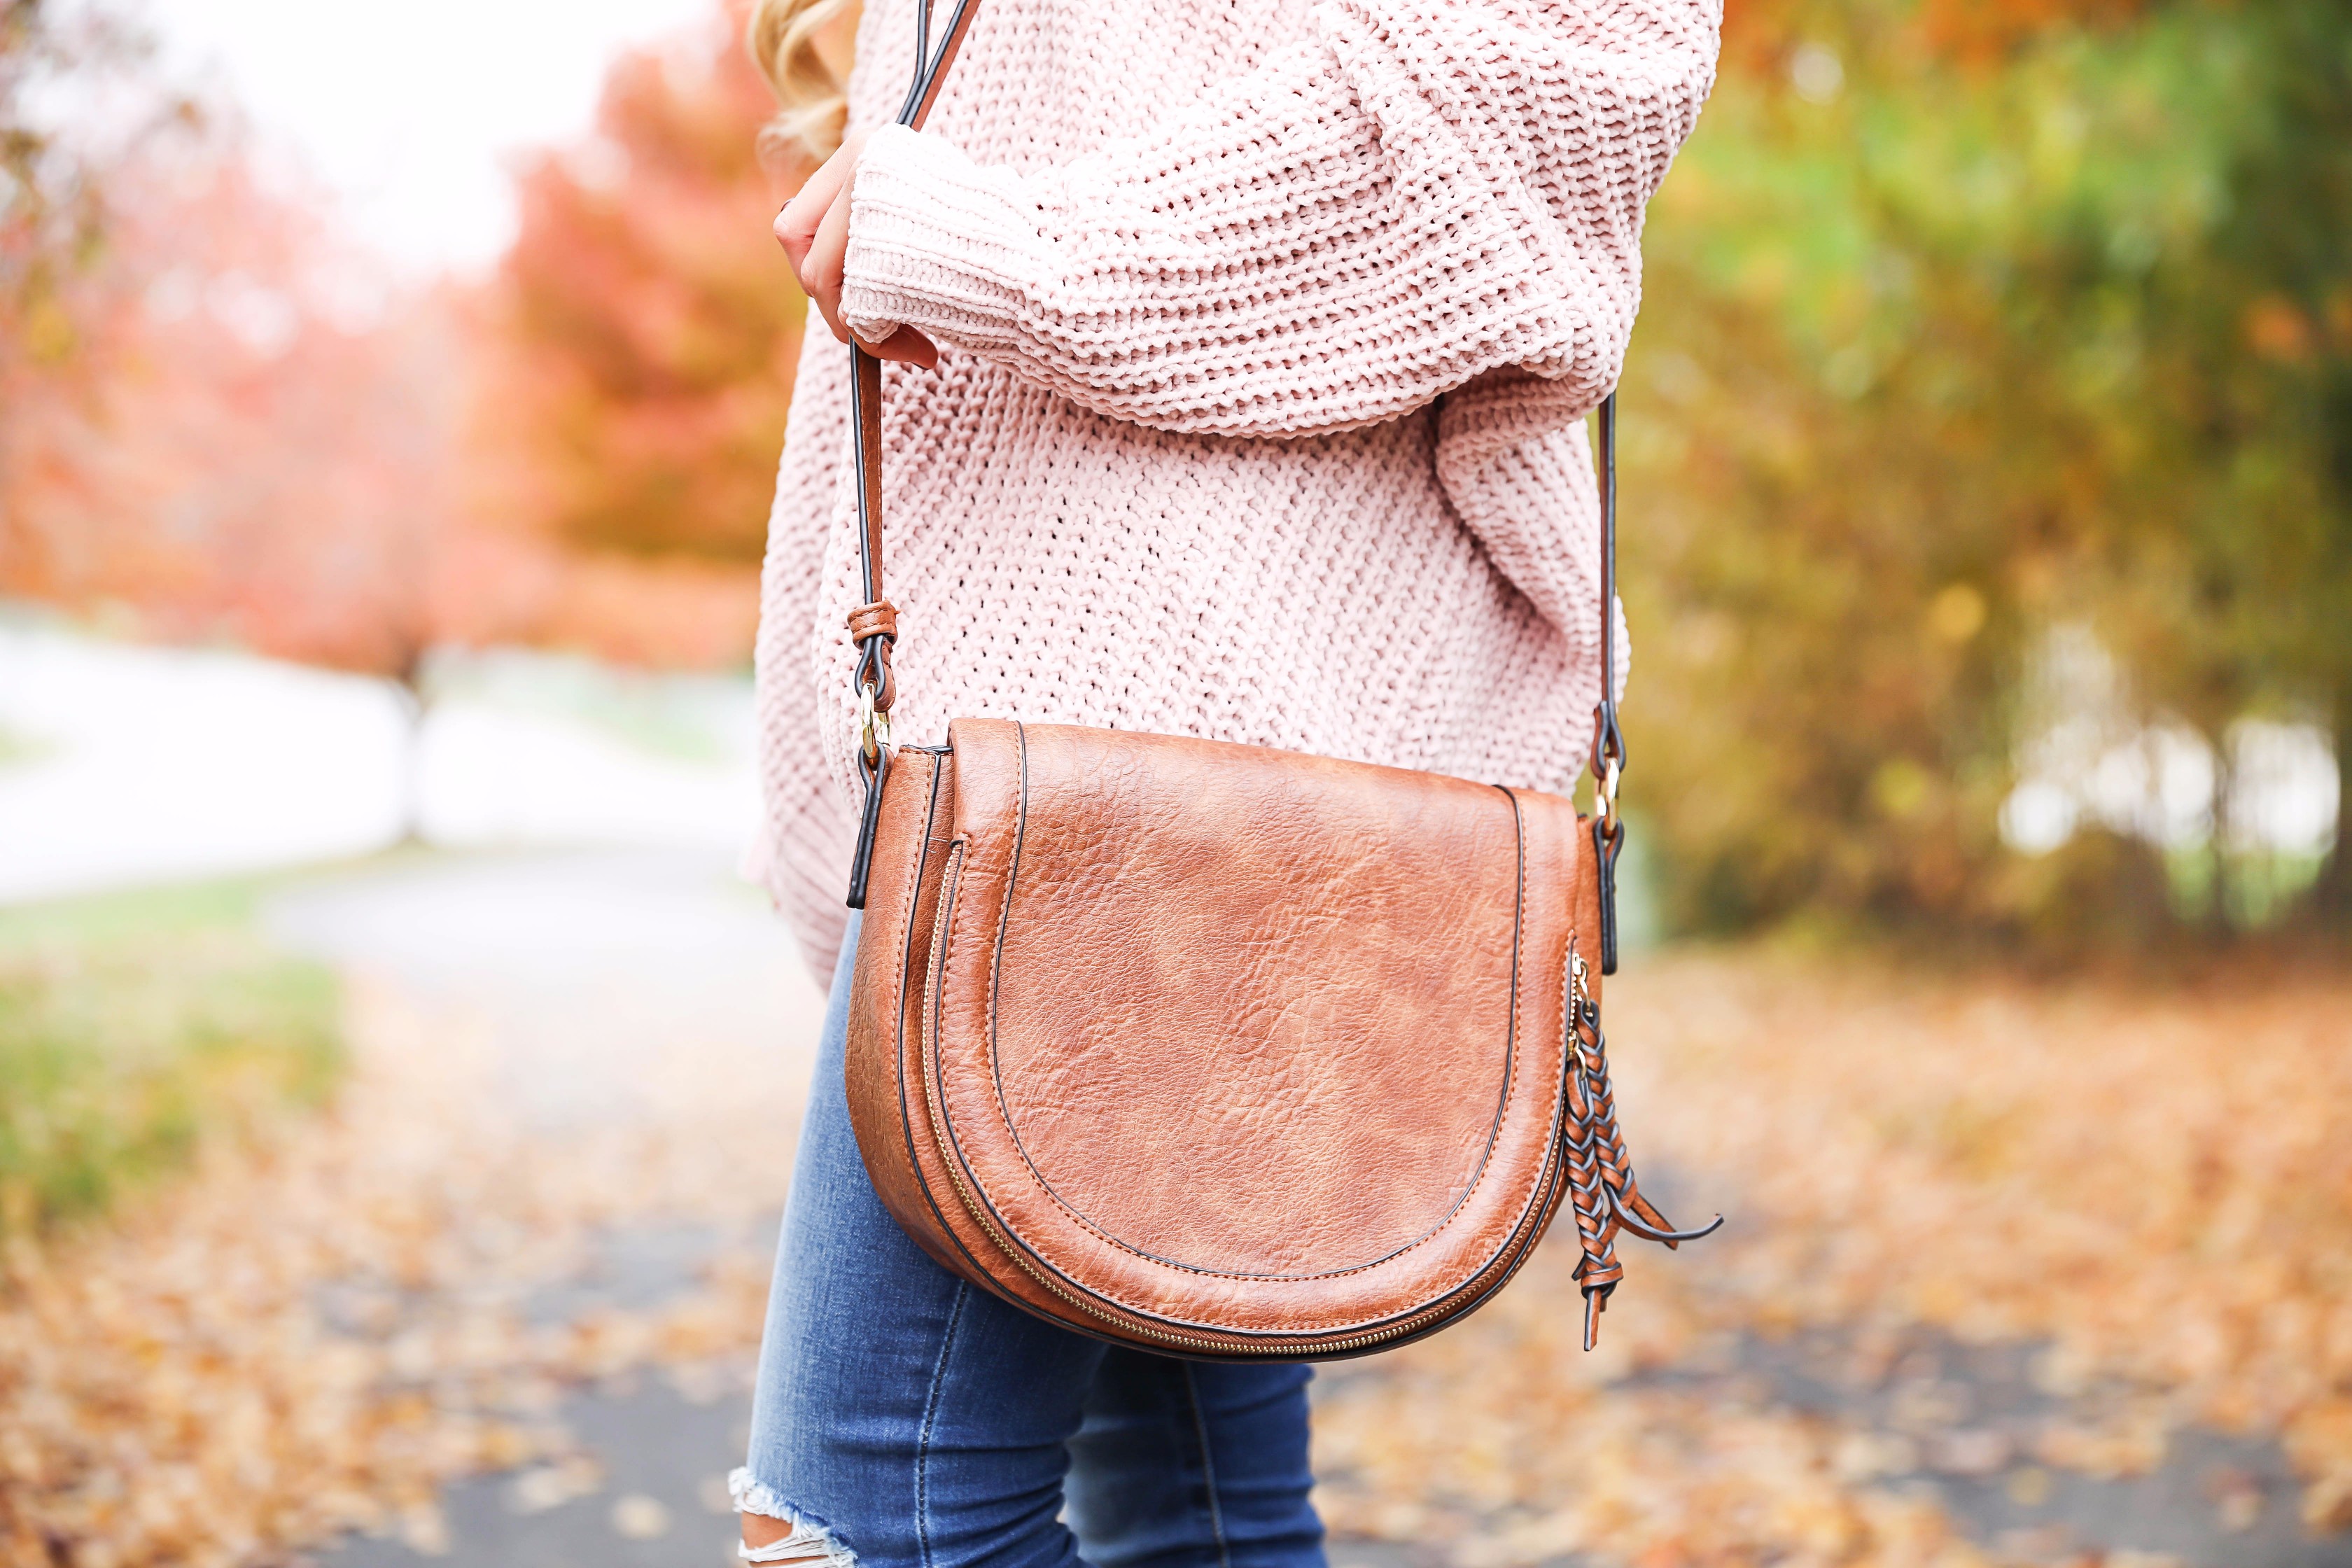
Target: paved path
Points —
{"points": [[596, 972], [597, 976], [601, 975]]}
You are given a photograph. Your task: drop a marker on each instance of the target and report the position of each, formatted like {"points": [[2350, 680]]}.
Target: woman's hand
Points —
{"points": [[814, 229]]}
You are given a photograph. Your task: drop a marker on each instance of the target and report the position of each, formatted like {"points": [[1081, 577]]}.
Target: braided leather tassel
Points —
{"points": [[1600, 1184]]}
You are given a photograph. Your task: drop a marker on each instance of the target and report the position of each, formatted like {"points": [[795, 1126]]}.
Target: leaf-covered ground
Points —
{"points": [[2146, 1189], [2140, 1195], [312, 1339]]}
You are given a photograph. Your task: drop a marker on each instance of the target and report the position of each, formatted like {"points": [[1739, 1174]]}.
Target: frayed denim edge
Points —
{"points": [[808, 1538]]}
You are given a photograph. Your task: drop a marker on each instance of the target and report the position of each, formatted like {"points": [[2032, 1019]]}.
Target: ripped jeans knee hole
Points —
{"points": [[808, 1540]]}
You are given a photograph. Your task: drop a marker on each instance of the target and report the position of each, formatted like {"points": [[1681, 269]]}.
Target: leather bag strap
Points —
{"points": [[874, 625], [1607, 740]]}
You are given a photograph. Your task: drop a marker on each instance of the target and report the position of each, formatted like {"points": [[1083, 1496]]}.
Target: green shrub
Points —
{"points": [[134, 1028]]}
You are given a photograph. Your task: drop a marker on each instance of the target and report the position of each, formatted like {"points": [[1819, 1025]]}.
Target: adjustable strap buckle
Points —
{"points": [[872, 729], [1608, 828], [874, 761], [876, 628]]}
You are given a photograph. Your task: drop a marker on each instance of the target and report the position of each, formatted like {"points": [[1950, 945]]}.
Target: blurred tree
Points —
{"points": [[76, 107], [200, 416], [262, 445], [256, 436], [2242, 566], [646, 327], [1960, 332], [253, 440], [1762, 35], [50, 207]]}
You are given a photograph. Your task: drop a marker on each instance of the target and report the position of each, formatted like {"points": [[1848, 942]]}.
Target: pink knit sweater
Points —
{"points": [[1267, 332]]}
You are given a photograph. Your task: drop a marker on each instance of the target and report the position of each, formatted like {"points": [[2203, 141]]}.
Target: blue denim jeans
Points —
{"points": [[904, 1416]]}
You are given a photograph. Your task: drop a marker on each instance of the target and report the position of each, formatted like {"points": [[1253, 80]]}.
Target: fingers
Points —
{"points": [[830, 311], [907, 346], [814, 229], [820, 265], [796, 225]]}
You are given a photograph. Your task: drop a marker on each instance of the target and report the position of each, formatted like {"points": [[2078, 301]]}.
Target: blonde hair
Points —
{"points": [[803, 48]]}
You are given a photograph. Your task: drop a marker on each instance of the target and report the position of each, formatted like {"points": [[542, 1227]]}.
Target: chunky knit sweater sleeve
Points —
{"points": [[1421, 192]]}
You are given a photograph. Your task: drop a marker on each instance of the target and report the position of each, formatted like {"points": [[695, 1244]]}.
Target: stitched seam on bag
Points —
{"points": [[1510, 1089], [952, 1155], [996, 956], [922, 998], [1290, 1326], [1322, 1330], [1485, 1162], [914, 884]]}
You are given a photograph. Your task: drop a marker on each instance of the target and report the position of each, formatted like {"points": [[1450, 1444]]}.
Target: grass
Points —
{"points": [[136, 1027], [17, 746]]}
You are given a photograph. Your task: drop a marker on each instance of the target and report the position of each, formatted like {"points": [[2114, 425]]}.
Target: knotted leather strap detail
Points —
{"points": [[877, 626], [1601, 1186]]}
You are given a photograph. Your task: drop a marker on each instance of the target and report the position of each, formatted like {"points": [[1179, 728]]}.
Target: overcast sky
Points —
{"points": [[410, 111]]}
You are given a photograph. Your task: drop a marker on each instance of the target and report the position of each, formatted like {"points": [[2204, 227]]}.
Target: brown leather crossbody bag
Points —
{"points": [[1219, 1050]]}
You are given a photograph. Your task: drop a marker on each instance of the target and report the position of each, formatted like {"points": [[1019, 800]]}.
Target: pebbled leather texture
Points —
{"points": [[1216, 1049]]}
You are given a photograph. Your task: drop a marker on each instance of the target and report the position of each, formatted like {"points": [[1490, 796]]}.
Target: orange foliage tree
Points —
{"points": [[246, 433], [645, 326]]}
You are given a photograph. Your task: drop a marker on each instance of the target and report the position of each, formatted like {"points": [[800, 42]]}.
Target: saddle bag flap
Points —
{"points": [[1235, 1040]]}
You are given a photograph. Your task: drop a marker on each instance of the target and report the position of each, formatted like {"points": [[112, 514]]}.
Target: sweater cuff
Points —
{"points": [[937, 243]]}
